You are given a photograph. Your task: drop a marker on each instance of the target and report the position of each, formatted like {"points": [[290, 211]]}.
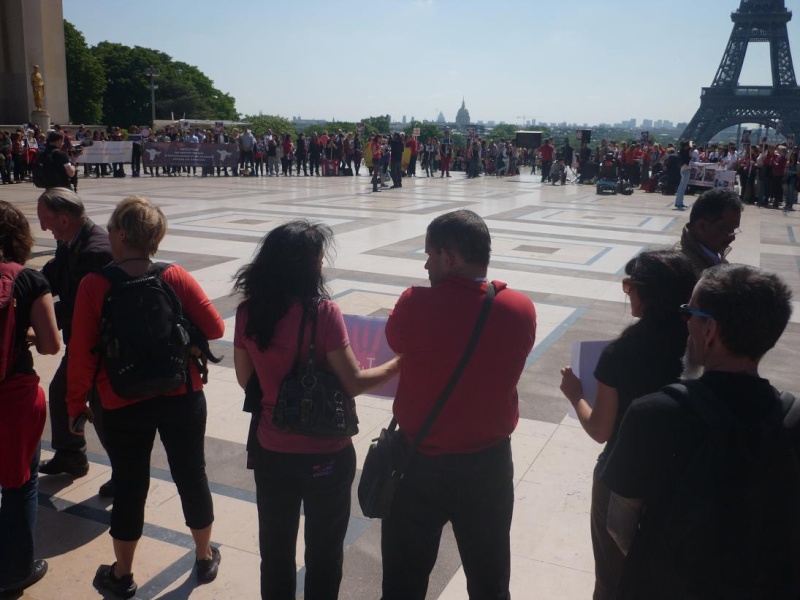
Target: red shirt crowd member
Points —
{"points": [[548, 153], [375, 150], [135, 230], [463, 472], [22, 406]]}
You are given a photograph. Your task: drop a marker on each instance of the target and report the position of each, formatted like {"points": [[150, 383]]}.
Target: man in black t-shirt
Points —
{"points": [[59, 171], [664, 437], [397, 146]]}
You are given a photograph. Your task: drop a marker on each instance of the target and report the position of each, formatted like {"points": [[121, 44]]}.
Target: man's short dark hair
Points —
{"points": [[54, 137], [751, 307], [713, 203], [463, 232]]}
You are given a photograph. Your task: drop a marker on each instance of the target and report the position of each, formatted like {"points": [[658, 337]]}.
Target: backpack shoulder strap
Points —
{"points": [[706, 404], [158, 269], [114, 274]]}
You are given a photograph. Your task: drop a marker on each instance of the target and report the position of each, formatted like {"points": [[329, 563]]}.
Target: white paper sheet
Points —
{"points": [[583, 361]]}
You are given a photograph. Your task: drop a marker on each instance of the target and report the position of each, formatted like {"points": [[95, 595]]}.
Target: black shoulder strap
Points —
{"points": [[451, 383], [705, 403]]}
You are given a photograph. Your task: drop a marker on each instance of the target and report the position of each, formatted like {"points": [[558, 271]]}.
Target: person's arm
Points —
{"points": [[355, 380], [623, 519], [70, 169], [43, 321], [198, 308], [597, 421], [244, 366], [82, 363]]}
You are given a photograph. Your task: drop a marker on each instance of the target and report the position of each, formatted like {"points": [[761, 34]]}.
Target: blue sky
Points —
{"points": [[581, 61]]}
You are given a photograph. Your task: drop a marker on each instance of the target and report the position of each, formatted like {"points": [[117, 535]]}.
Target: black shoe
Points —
{"points": [[124, 587], [74, 464], [107, 489], [39, 570], [208, 568]]}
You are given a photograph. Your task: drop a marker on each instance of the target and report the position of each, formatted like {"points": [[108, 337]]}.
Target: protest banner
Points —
{"points": [[105, 152], [182, 154], [709, 175]]}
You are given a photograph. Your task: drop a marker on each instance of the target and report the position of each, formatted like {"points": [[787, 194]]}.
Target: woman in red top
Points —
{"points": [[135, 230], [22, 406], [284, 280]]}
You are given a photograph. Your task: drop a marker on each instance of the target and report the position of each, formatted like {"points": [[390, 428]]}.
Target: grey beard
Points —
{"points": [[691, 369]]}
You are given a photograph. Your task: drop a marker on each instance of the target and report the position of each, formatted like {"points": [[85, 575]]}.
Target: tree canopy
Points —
{"points": [[86, 82], [107, 83], [376, 125], [260, 124]]}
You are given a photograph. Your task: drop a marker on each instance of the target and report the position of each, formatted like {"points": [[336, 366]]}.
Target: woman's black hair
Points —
{"points": [[286, 270], [664, 279]]}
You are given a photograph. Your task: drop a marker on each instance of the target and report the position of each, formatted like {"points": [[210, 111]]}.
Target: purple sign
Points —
{"points": [[183, 154], [368, 341]]}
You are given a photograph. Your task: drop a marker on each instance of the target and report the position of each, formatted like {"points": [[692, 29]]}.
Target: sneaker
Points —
{"points": [[208, 568], [74, 464], [107, 489], [124, 587], [39, 571]]}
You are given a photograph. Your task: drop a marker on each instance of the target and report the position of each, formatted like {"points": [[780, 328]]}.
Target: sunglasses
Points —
{"points": [[628, 283], [687, 312]]}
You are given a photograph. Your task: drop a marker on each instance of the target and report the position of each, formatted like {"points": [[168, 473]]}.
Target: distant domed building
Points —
{"points": [[440, 118], [462, 117]]}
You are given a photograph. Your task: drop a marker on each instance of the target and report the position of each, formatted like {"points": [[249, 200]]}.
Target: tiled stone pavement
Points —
{"points": [[565, 247]]}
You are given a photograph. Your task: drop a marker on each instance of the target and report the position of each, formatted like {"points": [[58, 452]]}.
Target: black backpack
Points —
{"points": [[144, 335], [734, 509], [42, 168]]}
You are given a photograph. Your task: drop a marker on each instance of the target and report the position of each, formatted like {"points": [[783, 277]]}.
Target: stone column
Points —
{"points": [[32, 33]]}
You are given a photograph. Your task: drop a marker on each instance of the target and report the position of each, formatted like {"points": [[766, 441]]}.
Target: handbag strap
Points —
{"points": [[451, 383], [301, 334]]}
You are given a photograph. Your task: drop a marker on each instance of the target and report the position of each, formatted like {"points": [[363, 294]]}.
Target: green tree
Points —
{"points": [[183, 89], [86, 83], [376, 125], [426, 130], [261, 123], [503, 132]]}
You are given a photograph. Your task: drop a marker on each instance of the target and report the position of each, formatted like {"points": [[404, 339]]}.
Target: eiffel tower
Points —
{"points": [[725, 103]]}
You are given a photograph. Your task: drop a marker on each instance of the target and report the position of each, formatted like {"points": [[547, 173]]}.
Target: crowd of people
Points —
{"points": [[694, 312], [766, 174]]}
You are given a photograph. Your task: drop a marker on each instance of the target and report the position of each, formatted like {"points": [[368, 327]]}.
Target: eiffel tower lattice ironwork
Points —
{"points": [[725, 103]]}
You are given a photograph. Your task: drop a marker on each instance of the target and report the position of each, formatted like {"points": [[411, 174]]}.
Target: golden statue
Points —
{"points": [[37, 83]]}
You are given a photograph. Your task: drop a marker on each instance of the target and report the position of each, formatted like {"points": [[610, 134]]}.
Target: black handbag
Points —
{"points": [[389, 455], [312, 401]]}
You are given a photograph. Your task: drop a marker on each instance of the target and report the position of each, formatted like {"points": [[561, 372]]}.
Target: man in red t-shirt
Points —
{"points": [[548, 153], [463, 470]]}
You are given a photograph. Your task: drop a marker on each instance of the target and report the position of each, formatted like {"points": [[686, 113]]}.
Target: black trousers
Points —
{"points": [[322, 483], [396, 172], [608, 558], [475, 492], [130, 432], [61, 438], [546, 164], [313, 163]]}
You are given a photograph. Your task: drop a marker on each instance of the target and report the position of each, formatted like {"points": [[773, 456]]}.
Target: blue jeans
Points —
{"points": [[682, 187], [17, 522]]}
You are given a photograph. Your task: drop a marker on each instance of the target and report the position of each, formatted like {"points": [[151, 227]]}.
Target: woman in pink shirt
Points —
{"points": [[284, 280]]}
